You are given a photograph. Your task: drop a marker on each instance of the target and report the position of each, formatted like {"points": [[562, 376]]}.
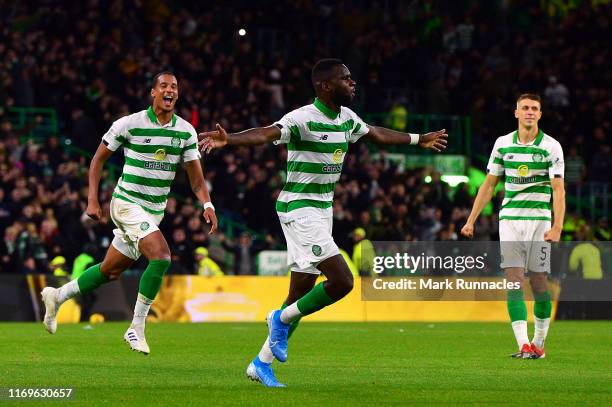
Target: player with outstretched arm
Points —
{"points": [[317, 137]]}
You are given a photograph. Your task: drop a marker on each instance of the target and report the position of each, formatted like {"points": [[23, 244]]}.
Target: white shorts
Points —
{"points": [[133, 223], [309, 242], [522, 245]]}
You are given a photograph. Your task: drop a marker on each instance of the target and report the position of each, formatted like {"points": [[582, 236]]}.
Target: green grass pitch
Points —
{"points": [[370, 364]]}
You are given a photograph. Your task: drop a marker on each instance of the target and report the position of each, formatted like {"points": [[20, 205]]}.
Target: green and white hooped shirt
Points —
{"points": [[317, 141], [528, 169], [152, 155]]}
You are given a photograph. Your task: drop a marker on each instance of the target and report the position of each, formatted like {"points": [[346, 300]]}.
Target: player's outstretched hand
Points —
{"points": [[94, 211], [210, 140], [436, 140], [552, 235], [467, 230], [211, 218]]}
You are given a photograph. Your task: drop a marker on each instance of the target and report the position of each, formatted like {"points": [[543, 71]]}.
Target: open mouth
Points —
{"points": [[168, 101]]}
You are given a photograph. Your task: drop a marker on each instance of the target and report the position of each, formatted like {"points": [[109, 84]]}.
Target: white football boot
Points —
{"points": [[49, 298], [136, 340]]}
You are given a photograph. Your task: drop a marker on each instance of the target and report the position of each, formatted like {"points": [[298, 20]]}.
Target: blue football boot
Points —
{"points": [[261, 372], [279, 333]]}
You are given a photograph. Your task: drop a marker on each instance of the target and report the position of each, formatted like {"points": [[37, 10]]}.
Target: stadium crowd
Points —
{"points": [[93, 61]]}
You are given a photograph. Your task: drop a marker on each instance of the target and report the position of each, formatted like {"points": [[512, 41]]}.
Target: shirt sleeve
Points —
{"points": [[191, 152], [117, 135], [288, 125], [360, 128], [496, 162], [557, 165]]}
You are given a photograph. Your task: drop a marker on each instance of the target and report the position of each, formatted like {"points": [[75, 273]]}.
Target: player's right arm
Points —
{"points": [[219, 138], [495, 169], [111, 141], [485, 193], [95, 172], [281, 132]]}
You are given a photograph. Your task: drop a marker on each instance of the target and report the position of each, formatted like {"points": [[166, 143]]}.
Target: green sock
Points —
{"points": [[516, 306], [152, 278], [294, 323], [543, 306], [314, 300], [91, 279]]}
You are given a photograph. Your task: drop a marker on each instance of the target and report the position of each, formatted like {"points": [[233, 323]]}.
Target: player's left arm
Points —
{"points": [[436, 140], [556, 171], [199, 188], [558, 196]]}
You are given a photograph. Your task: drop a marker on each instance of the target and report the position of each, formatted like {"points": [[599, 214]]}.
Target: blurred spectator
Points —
{"points": [[28, 247], [397, 119], [349, 263], [484, 229], [602, 230], [575, 170], [5, 212], [181, 251], [245, 252], [205, 265], [57, 266], [462, 197], [601, 164], [195, 230], [571, 224], [585, 257], [81, 263], [28, 266], [277, 102], [8, 250], [556, 93], [363, 252]]}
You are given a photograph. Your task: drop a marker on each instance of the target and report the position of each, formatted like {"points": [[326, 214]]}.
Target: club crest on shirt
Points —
{"points": [[160, 154], [337, 157], [316, 250], [176, 142], [537, 157], [144, 226]]}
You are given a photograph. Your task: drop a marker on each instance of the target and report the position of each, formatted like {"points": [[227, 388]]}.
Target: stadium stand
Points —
{"points": [[68, 70]]}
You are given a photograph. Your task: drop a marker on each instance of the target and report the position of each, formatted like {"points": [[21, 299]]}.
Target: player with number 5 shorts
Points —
{"points": [[532, 165]]}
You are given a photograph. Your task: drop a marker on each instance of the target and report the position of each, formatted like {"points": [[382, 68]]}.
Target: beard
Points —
{"points": [[342, 99]]}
